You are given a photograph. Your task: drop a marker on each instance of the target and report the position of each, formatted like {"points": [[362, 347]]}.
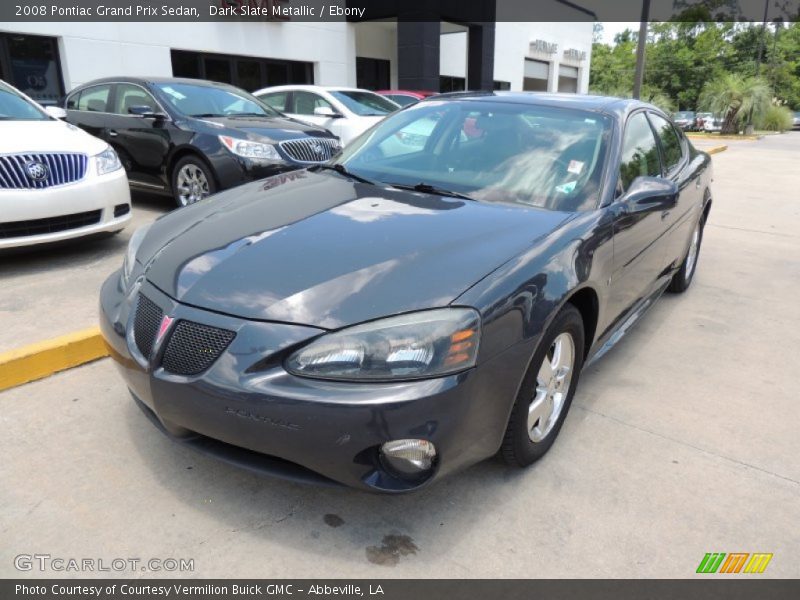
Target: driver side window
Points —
{"points": [[129, 95], [306, 102], [639, 152]]}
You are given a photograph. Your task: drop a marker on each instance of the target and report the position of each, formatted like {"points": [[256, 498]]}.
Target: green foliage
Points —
{"points": [[683, 57], [736, 97], [776, 118]]}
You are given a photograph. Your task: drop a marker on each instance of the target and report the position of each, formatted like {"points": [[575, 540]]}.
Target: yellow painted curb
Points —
{"points": [[716, 149], [48, 357]]}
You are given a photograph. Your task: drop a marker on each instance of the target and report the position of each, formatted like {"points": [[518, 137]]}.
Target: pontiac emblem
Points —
{"points": [[163, 328]]}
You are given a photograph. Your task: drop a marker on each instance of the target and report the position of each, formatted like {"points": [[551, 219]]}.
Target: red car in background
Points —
{"points": [[405, 97]]}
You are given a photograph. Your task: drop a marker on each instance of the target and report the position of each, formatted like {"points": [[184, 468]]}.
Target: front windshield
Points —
{"points": [[492, 151], [14, 107], [211, 101], [365, 104]]}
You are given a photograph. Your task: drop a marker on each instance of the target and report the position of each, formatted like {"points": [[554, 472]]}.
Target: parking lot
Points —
{"points": [[681, 441]]}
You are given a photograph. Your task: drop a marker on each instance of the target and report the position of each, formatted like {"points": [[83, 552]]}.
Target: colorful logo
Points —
{"points": [[163, 327], [735, 562]]}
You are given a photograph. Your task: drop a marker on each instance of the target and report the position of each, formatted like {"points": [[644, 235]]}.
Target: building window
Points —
{"points": [[567, 79], [501, 85], [246, 72], [31, 64], [372, 73], [452, 84], [537, 72]]}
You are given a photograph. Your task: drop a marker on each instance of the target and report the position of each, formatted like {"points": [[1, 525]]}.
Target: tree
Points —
{"points": [[735, 97]]}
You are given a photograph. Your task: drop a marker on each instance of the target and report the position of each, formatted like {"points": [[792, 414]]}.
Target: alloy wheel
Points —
{"points": [[192, 184], [552, 387]]}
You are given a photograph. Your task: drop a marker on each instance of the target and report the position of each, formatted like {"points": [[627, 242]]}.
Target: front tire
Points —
{"points": [[683, 278], [547, 390], [192, 180]]}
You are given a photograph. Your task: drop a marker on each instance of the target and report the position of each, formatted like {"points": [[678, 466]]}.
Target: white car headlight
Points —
{"points": [[107, 161], [248, 149], [130, 253], [418, 345]]}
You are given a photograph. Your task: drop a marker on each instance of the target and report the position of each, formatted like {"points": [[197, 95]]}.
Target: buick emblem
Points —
{"points": [[36, 171], [316, 147]]}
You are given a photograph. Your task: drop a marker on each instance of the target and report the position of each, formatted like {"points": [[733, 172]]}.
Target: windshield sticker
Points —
{"points": [[566, 188], [575, 166]]}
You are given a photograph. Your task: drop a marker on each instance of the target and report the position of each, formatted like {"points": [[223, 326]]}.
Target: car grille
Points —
{"points": [[311, 149], [37, 171], [16, 229], [192, 347], [145, 324]]}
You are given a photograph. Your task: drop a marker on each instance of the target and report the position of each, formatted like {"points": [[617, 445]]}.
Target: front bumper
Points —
{"points": [[32, 208], [266, 419]]}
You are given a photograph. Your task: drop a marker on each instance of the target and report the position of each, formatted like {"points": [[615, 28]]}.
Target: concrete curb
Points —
{"points": [[716, 149], [51, 356]]}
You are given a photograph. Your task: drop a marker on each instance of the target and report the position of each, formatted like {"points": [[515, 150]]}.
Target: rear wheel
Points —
{"points": [[191, 181], [683, 278], [546, 392]]}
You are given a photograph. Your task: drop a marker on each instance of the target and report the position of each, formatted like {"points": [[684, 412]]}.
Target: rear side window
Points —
{"points": [[670, 142], [276, 100], [639, 151], [94, 99]]}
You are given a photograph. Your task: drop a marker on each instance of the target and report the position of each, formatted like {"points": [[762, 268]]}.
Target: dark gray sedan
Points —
{"points": [[424, 301]]}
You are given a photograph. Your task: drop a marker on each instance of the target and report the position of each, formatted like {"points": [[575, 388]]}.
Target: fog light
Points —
{"points": [[409, 457]]}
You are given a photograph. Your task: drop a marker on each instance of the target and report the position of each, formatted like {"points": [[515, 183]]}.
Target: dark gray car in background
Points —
{"points": [[423, 302]]}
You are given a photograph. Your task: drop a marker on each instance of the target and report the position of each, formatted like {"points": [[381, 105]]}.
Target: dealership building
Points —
{"points": [[442, 53]]}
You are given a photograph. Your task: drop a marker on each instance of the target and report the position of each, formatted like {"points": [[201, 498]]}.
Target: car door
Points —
{"points": [[681, 219], [88, 107], [142, 142], [303, 105], [639, 236]]}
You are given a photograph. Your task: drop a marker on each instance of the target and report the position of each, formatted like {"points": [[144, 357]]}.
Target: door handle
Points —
{"points": [[664, 215], [112, 133]]}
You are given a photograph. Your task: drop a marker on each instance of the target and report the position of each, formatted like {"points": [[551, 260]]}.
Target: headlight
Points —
{"points": [[130, 253], [107, 161], [248, 149], [423, 344]]}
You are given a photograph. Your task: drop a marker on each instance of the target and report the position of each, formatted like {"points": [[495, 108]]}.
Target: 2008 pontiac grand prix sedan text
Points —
{"points": [[422, 302]]}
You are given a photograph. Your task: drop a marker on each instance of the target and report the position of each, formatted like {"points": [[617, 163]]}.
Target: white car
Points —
{"points": [[345, 112], [56, 181]]}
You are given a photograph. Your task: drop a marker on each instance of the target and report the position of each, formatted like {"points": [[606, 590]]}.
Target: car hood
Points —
{"points": [[46, 136], [318, 249], [274, 129]]}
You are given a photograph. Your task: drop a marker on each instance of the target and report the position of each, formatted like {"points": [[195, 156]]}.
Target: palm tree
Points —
{"points": [[735, 97]]}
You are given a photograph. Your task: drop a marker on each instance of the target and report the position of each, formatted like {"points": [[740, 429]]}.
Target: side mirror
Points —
{"points": [[326, 111], [145, 111], [647, 194], [56, 112]]}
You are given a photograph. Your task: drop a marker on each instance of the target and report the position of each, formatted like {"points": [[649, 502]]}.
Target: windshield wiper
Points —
{"points": [[427, 188], [342, 170], [206, 115], [249, 114]]}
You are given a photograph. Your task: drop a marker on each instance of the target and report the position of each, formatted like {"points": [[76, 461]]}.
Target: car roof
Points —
{"points": [[617, 107], [144, 80], [311, 88]]}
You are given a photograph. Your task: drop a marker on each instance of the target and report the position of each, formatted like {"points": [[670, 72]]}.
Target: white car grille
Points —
{"points": [[37, 171]]}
